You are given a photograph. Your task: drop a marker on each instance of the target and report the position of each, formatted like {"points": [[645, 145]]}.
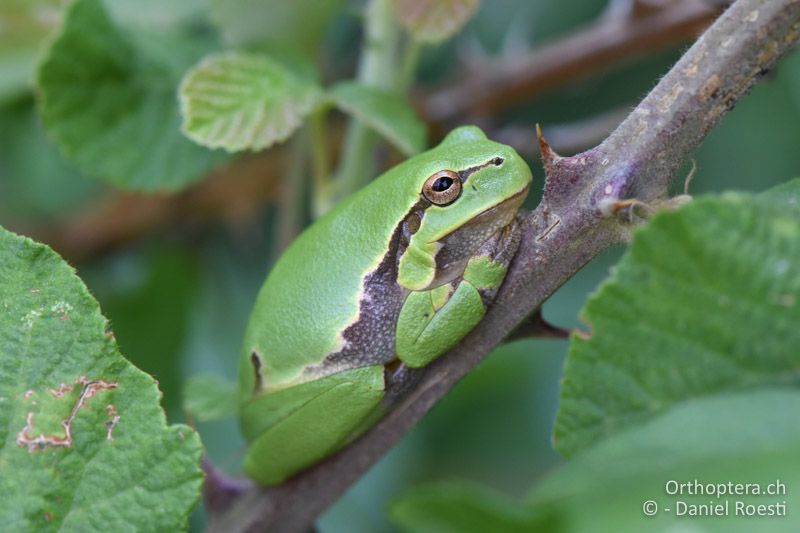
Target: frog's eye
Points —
{"points": [[442, 188]]}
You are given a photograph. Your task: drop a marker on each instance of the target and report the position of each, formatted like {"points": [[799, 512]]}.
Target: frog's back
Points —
{"points": [[312, 296]]}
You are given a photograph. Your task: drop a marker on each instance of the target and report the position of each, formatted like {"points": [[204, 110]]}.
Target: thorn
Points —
{"points": [[689, 178], [535, 326], [582, 334], [549, 157]]}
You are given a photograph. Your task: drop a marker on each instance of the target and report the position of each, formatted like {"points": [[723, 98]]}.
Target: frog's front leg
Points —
{"points": [[432, 321]]}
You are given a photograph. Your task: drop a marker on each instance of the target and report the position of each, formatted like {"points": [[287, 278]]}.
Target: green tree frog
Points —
{"points": [[395, 275]]}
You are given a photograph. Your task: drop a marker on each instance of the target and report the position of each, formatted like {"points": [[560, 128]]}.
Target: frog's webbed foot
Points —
{"points": [[432, 321]]}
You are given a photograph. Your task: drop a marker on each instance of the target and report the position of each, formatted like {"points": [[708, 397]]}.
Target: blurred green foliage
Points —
{"points": [[121, 100], [178, 301]]}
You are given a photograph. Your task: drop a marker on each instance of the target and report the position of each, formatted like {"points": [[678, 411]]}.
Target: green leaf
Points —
{"points": [[241, 101], [300, 23], [158, 13], [210, 397], [464, 508], [386, 112], [707, 299], [751, 437], [117, 115], [433, 21], [84, 444]]}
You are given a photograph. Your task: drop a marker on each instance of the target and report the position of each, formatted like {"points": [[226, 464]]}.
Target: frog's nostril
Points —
{"points": [[497, 161]]}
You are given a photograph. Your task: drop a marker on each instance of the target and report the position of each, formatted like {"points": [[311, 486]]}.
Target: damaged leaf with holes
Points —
{"points": [[84, 444]]}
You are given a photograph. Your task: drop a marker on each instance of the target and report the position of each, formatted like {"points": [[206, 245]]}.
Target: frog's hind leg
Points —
{"points": [[293, 428]]}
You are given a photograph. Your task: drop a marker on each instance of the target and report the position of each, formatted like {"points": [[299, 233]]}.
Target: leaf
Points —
{"points": [[158, 13], [433, 21], [300, 23], [84, 444], [464, 508], [210, 397], [751, 437], [116, 116], [705, 300], [386, 112], [241, 101]]}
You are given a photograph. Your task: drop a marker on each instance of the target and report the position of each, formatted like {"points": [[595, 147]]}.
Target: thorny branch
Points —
{"points": [[562, 234], [626, 31]]}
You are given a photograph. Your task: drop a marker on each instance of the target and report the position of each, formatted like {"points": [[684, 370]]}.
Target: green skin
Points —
{"points": [[386, 280]]}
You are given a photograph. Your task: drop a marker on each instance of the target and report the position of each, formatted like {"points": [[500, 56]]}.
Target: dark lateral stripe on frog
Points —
{"points": [[369, 340]]}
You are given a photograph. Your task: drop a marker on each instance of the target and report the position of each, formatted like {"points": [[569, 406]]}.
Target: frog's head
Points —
{"points": [[470, 188]]}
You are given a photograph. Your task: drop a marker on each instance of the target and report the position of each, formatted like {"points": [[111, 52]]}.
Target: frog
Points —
{"points": [[390, 279]]}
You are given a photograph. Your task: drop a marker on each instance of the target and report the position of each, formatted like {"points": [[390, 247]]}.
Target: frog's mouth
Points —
{"points": [[505, 210]]}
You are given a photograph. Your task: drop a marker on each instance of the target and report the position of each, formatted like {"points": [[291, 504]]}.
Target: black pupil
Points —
{"points": [[442, 184]]}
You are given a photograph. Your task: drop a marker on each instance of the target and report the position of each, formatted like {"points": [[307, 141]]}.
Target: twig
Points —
{"points": [[638, 160], [611, 39]]}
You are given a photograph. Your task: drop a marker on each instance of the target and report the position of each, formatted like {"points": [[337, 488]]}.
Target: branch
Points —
{"points": [[637, 30], [619, 36], [565, 231]]}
